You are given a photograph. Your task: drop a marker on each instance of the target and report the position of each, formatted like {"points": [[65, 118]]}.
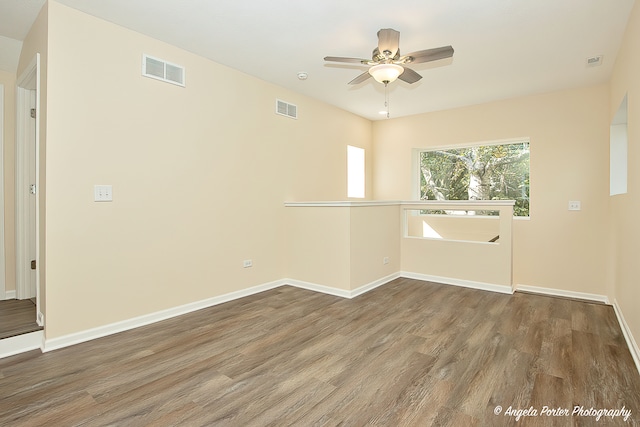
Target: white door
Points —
{"points": [[31, 160], [26, 184]]}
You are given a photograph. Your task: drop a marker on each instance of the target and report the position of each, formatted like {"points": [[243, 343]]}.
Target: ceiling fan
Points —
{"points": [[387, 64]]}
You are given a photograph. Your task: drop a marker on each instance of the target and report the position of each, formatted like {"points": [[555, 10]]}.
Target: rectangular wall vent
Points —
{"points": [[160, 69], [594, 61], [285, 109]]}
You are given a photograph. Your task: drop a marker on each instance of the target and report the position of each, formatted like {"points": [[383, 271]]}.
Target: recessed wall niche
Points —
{"points": [[618, 151]]}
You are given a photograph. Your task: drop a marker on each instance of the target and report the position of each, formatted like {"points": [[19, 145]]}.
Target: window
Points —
{"points": [[478, 172], [355, 172]]}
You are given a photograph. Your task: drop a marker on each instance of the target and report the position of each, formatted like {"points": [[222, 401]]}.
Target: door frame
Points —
{"points": [[28, 81], [3, 294]]}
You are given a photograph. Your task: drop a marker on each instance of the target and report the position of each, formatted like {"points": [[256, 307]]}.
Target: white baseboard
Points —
{"points": [[503, 289], [114, 328], [376, 283], [631, 342], [563, 293], [21, 343], [10, 294], [342, 292], [102, 331], [318, 288]]}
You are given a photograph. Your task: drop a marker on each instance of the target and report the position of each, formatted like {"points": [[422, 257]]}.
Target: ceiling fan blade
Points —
{"points": [[428, 55], [388, 41], [341, 59], [409, 76], [362, 77]]}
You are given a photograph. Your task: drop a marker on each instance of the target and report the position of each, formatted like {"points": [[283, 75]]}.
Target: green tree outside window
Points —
{"points": [[489, 172]]}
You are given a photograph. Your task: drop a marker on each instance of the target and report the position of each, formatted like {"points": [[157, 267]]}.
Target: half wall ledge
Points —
{"points": [[351, 243]]}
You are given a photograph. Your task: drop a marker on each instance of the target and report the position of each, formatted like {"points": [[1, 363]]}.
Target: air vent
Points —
{"points": [[285, 109], [160, 69], [594, 61]]}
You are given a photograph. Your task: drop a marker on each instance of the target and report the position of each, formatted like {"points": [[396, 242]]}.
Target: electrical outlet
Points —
{"points": [[102, 193], [385, 260], [574, 205], [247, 263]]}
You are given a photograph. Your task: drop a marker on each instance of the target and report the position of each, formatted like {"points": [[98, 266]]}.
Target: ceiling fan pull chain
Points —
{"points": [[386, 98]]}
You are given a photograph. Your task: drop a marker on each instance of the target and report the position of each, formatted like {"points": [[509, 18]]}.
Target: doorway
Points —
{"points": [[27, 186], [2, 254]]}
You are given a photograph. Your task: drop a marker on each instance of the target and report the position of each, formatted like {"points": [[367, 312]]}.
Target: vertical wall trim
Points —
{"points": [[2, 229]]}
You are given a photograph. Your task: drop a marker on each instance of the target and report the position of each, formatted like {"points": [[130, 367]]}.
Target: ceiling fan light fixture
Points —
{"points": [[386, 73]]}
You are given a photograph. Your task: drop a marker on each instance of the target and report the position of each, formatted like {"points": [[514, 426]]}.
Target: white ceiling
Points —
{"points": [[503, 48]]}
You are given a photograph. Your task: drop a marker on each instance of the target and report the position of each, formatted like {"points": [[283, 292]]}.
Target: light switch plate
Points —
{"points": [[102, 193]]}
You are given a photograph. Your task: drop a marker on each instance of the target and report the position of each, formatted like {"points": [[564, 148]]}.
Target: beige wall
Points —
{"points": [[318, 246], [375, 234], [625, 207], [453, 261], [199, 175], [9, 81], [342, 246], [569, 133]]}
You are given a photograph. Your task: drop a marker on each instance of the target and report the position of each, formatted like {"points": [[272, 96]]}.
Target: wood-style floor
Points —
{"points": [[17, 317], [409, 353]]}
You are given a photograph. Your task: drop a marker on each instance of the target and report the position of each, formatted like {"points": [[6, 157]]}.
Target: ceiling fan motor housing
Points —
{"points": [[386, 64]]}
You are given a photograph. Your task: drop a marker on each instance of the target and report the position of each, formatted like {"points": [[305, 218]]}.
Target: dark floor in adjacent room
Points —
{"points": [[17, 317]]}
